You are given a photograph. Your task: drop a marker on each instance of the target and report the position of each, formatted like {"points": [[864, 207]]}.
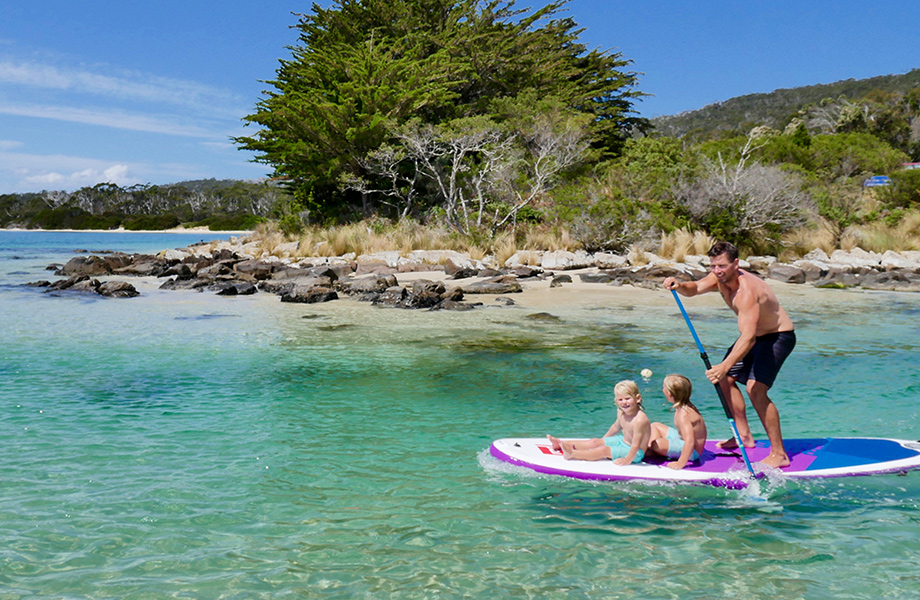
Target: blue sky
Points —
{"points": [[104, 90]]}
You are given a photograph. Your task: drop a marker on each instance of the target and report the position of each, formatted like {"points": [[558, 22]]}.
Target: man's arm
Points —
{"points": [[748, 316], [692, 288]]}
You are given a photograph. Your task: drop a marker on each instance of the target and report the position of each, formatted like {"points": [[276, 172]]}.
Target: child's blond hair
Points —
{"points": [[628, 387], [680, 389]]}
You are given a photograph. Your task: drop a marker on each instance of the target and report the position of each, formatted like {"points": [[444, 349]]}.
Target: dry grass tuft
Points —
{"points": [[504, 247], [550, 240], [681, 242], [881, 237], [367, 237], [636, 256], [269, 237], [803, 240]]}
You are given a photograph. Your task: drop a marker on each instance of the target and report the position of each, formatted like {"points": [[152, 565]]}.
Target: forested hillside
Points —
{"points": [[775, 109]]}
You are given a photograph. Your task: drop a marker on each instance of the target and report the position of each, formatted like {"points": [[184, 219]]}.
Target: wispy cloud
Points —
{"points": [[99, 95], [124, 85], [116, 118]]}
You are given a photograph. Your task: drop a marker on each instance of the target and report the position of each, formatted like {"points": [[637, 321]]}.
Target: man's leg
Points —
{"points": [[769, 416], [739, 414]]}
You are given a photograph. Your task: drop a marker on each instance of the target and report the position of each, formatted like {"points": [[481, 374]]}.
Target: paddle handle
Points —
{"points": [[725, 405]]}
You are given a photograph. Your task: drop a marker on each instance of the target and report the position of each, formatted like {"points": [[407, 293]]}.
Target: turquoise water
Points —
{"points": [[193, 446]]}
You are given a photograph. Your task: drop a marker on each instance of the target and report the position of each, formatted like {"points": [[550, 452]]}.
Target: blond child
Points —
{"points": [[627, 439], [685, 441]]}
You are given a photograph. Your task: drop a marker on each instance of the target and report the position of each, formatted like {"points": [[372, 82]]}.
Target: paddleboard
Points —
{"points": [[810, 458]]}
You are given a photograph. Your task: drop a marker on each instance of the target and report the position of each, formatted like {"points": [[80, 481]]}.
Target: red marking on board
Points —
{"points": [[549, 450]]}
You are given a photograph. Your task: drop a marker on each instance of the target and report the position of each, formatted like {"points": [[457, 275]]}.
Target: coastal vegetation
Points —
{"points": [[481, 127], [220, 205]]}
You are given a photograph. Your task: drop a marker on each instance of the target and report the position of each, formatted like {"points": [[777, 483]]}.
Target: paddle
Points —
{"points": [[722, 398]]}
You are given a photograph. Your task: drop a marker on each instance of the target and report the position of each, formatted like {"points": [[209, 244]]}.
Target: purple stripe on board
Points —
{"points": [[723, 482]]}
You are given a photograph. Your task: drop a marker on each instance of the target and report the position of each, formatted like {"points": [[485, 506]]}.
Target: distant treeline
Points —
{"points": [[218, 204]]}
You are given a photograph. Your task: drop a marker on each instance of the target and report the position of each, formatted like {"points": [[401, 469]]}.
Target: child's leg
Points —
{"points": [[587, 451], [658, 443], [570, 446], [659, 446], [556, 442]]}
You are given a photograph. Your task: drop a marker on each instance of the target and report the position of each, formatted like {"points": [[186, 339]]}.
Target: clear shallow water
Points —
{"points": [[186, 445]]}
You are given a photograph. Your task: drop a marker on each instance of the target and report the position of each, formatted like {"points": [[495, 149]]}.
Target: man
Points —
{"points": [[766, 338]]}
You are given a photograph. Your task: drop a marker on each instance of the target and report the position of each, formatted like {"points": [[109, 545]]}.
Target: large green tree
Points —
{"points": [[364, 68]]}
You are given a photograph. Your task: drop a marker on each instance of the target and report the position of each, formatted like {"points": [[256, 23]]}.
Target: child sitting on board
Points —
{"points": [[683, 442], [627, 439]]}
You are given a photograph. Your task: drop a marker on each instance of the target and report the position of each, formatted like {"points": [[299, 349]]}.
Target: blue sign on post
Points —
{"points": [[877, 181]]}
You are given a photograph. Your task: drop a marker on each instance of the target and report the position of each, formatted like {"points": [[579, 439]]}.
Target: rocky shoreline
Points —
{"points": [[443, 279]]}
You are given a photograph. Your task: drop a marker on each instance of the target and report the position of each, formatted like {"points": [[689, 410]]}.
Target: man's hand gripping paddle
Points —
{"points": [[722, 399]]}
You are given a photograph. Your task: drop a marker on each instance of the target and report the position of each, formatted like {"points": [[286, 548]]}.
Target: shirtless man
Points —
{"points": [[767, 337]]}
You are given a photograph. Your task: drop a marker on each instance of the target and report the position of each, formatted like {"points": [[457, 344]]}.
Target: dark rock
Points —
{"points": [[185, 284], [786, 273], [391, 297], [455, 271], [331, 273], [465, 273], [225, 255], [85, 265], [309, 294], [896, 280], [289, 272], [505, 301], [375, 267], [237, 288], [423, 294], [488, 273], [812, 270], [411, 266], [117, 289], [181, 270], [222, 267], [837, 278], [657, 273], [90, 286], [454, 305], [142, 267], [558, 280], [454, 294], [526, 272], [64, 284], [505, 284], [599, 277], [367, 285], [255, 268]]}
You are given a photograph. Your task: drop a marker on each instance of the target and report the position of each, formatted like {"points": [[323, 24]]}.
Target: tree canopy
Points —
{"points": [[363, 69]]}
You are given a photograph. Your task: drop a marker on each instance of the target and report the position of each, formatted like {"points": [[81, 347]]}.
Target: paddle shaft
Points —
{"points": [[725, 405]]}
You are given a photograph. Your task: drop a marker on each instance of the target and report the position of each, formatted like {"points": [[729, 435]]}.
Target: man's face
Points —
{"points": [[723, 268]]}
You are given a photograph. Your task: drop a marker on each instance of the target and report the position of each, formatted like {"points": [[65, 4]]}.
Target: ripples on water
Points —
{"points": [[186, 445]]}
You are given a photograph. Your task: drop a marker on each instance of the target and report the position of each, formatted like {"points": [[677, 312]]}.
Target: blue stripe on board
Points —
{"points": [[850, 452]]}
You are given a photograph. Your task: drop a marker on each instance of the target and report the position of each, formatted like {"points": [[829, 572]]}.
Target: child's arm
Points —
{"points": [[685, 429], [641, 432], [615, 428]]}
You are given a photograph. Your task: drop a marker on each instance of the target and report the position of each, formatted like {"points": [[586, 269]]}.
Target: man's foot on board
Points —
{"points": [[776, 461], [556, 442], [732, 444]]}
